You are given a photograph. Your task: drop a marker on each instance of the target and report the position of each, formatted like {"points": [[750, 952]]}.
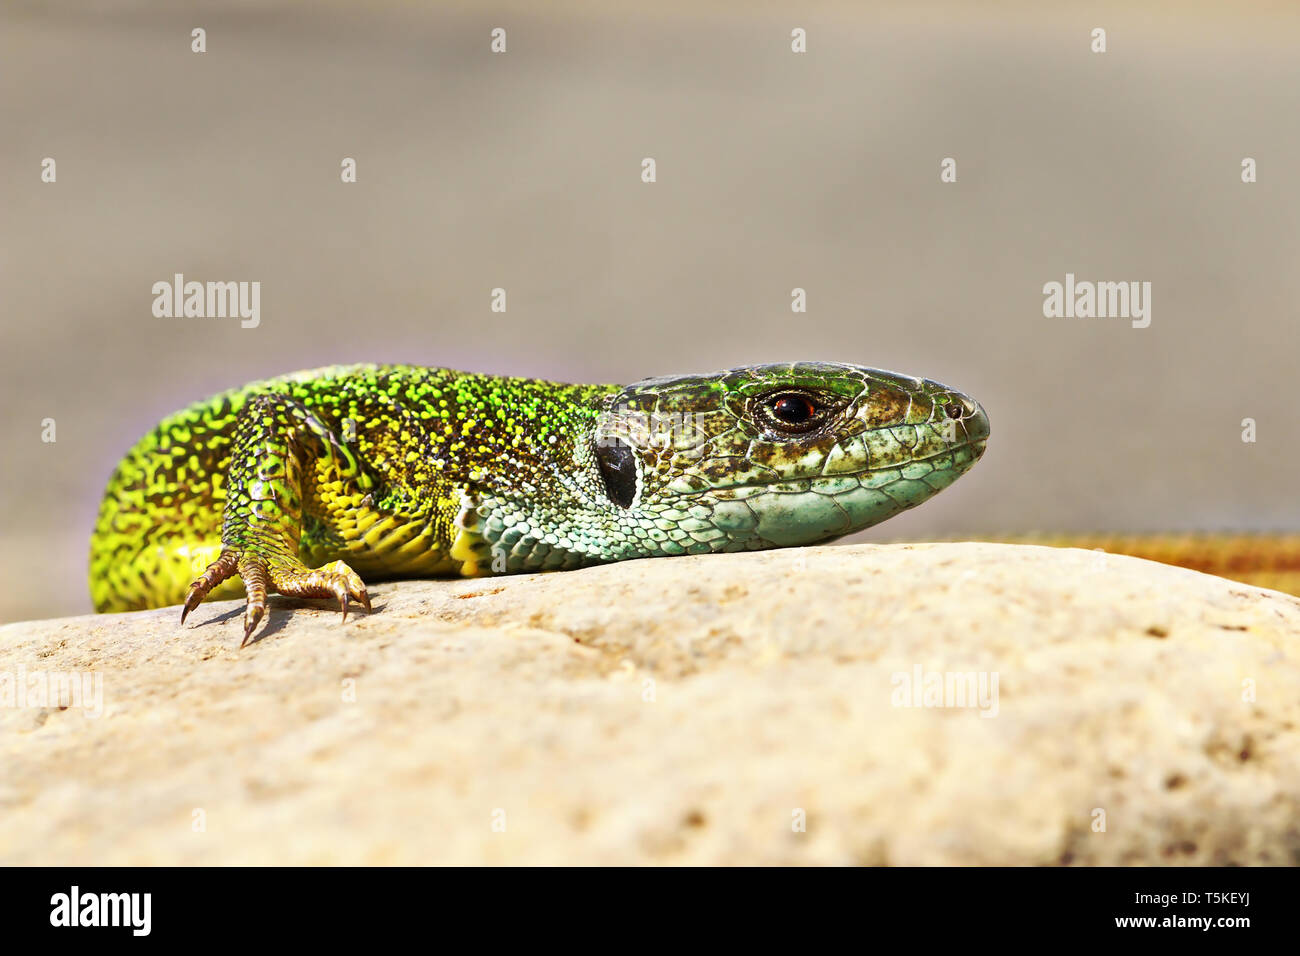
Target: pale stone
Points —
{"points": [[681, 710]]}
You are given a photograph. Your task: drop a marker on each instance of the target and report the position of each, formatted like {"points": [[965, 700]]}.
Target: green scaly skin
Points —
{"points": [[312, 483]]}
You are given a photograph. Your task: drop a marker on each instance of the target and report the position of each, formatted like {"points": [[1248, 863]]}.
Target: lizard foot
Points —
{"points": [[290, 578]]}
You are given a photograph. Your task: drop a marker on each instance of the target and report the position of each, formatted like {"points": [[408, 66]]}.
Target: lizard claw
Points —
{"points": [[257, 581], [352, 589], [260, 578], [192, 600], [252, 617], [226, 565], [335, 580]]}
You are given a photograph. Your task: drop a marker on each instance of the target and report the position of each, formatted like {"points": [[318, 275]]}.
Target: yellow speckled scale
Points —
{"points": [[364, 464]]}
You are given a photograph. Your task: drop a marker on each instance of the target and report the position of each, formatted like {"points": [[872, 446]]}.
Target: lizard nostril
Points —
{"points": [[955, 409]]}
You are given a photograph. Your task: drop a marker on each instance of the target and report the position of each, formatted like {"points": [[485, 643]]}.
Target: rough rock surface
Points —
{"points": [[716, 709]]}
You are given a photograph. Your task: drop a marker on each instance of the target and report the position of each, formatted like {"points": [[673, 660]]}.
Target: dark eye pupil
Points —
{"points": [[793, 409]]}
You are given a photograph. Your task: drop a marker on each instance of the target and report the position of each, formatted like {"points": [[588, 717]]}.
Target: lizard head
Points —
{"points": [[775, 455]]}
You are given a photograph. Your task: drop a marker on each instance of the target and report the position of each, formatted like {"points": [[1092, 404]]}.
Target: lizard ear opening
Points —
{"points": [[618, 470]]}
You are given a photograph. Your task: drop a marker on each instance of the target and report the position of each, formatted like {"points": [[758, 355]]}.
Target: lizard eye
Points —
{"points": [[793, 409], [791, 412]]}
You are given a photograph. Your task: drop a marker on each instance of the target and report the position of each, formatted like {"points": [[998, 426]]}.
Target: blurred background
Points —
{"points": [[775, 170]]}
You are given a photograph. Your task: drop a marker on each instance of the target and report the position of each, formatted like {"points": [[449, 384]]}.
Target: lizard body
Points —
{"points": [[313, 483]]}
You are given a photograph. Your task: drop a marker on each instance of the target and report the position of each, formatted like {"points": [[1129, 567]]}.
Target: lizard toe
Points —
{"points": [[226, 566], [334, 580]]}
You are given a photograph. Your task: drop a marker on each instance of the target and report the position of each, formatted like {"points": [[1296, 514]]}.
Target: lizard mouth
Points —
{"points": [[954, 451], [820, 507], [975, 445], [964, 454]]}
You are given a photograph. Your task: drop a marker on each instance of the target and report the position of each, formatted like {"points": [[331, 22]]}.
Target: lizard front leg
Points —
{"points": [[277, 441]]}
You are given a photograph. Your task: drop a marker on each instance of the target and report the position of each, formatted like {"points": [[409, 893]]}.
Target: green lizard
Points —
{"points": [[312, 483]]}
